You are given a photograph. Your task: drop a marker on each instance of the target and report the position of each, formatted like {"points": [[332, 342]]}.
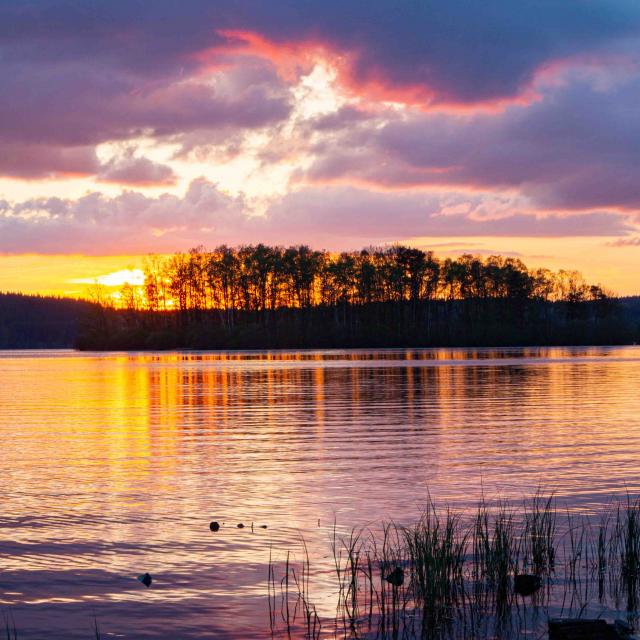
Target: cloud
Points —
{"points": [[576, 148], [454, 119], [625, 242], [453, 52], [38, 161], [336, 212], [129, 223], [131, 170], [81, 103], [57, 109], [333, 217]]}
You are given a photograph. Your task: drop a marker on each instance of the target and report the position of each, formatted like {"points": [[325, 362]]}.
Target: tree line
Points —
{"points": [[40, 322], [261, 278], [268, 296]]}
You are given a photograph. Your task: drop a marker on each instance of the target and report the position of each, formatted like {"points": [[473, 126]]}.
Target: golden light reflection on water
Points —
{"points": [[114, 464]]}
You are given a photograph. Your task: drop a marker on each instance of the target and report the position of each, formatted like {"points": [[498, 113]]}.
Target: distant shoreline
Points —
{"points": [[536, 324], [271, 297], [312, 349]]}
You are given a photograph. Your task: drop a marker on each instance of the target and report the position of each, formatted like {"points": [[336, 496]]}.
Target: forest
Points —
{"points": [[262, 296], [39, 322]]}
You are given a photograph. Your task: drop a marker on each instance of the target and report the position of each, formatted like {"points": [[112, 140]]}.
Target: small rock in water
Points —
{"points": [[525, 584], [263, 526], [145, 579], [396, 577], [240, 526], [214, 526]]}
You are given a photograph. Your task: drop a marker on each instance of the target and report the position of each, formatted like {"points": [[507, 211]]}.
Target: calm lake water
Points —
{"points": [[113, 465]]}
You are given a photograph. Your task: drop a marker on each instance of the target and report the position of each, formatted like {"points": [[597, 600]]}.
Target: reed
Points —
{"points": [[10, 627], [539, 536], [450, 575], [436, 549], [495, 545]]}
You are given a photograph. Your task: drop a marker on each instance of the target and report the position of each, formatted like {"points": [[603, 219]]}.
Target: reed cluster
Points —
{"points": [[499, 572], [489, 574]]}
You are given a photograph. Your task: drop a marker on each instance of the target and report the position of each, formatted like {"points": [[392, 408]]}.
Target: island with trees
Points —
{"points": [[274, 297]]}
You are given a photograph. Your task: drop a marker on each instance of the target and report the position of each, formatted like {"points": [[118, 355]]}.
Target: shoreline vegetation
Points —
{"points": [[266, 297], [504, 569], [259, 297]]}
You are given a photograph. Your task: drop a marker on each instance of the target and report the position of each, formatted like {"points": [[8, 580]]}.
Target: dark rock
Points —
{"points": [[145, 579], [263, 526], [214, 526], [576, 629], [396, 577], [525, 584], [241, 526]]}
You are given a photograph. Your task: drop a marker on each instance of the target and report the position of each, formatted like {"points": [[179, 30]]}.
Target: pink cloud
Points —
{"points": [[38, 161], [130, 170], [333, 217]]}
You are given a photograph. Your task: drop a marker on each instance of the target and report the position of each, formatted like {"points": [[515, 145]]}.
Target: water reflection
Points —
{"points": [[114, 464]]}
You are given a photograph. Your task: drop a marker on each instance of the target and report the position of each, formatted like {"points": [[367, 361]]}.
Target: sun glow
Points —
{"points": [[134, 277]]}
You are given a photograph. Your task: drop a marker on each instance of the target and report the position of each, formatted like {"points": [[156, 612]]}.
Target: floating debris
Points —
{"points": [[396, 577], [214, 526], [146, 579], [525, 584]]}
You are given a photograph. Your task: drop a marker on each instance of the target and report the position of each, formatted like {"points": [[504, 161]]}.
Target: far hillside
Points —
{"points": [[39, 322]]}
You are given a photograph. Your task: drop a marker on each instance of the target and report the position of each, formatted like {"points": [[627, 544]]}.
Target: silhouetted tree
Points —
{"points": [[257, 295]]}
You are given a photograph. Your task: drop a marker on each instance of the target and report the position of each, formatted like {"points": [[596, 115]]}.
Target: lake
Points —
{"points": [[114, 464]]}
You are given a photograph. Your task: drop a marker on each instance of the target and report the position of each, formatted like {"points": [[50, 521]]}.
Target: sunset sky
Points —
{"points": [[130, 127]]}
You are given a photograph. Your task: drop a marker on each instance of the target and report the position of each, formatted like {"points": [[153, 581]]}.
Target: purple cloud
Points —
{"points": [[129, 223], [194, 73], [81, 103], [130, 170], [387, 216], [459, 51], [575, 148], [37, 161], [54, 106], [331, 216]]}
